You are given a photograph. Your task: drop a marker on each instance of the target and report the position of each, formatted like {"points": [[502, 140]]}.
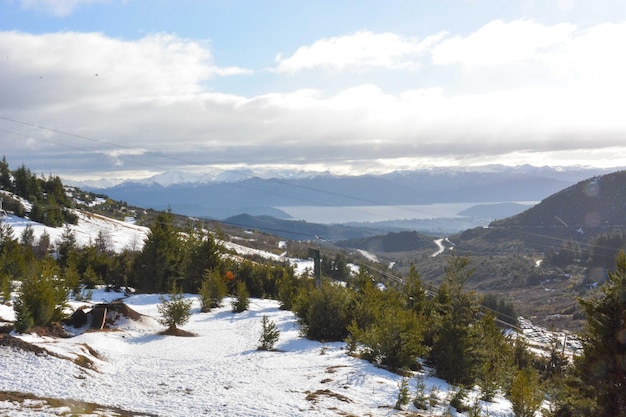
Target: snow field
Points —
{"points": [[219, 372]]}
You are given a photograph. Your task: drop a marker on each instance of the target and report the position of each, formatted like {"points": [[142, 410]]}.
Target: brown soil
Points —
{"points": [[313, 396], [123, 309], [17, 343], [35, 404], [177, 332], [52, 330]]}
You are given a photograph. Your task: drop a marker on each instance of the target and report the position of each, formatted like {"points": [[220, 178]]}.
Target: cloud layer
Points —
{"points": [[515, 91]]}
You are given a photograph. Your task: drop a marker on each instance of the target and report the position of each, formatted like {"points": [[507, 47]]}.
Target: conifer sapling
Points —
{"points": [[269, 334], [174, 311]]}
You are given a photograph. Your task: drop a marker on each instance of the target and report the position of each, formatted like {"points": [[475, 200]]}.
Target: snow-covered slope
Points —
{"points": [[119, 235], [219, 372], [124, 235]]}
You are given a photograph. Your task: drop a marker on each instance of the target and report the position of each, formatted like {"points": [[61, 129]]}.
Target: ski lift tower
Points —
{"points": [[317, 271]]}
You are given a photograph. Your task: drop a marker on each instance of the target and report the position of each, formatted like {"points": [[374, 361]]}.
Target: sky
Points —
{"points": [[133, 88]]}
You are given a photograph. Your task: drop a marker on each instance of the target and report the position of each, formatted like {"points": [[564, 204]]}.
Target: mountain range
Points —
{"points": [[233, 193]]}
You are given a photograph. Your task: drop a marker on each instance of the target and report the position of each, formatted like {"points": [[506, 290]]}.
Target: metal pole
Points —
{"points": [[317, 270]]}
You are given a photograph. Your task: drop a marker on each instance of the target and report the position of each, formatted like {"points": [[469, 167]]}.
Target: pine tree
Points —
{"points": [[526, 395], [325, 313], [200, 252], [72, 278], [67, 247], [287, 289], [602, 365], [393, 338], [5, 175], [403, 394], [456, 340], [242, 301], [420, 400], [495, 353], [212, 291], [158, 265], [269, 334], [28, 237], [43, 245], [414, 291], [42, 298], [175, 310]]}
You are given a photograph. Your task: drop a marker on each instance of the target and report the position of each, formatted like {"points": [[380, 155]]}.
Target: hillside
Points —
{"points": [[299, 229], [391, 242], [540, 260], [593, 204], [579, 213]]}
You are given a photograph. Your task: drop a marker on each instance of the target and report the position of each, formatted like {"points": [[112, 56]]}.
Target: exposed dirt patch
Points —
{"points": [[177, 332], [333, 369], [63, 407], [124, 310], [314, 396], [52, 330], [17, 343], [84, 362], [101, 316]]}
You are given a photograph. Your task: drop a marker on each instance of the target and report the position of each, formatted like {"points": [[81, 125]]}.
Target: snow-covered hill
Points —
{"points": [[118, 234]]}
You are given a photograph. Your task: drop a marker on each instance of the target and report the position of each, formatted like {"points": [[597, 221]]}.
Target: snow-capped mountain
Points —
{"points": [[227, 193]]}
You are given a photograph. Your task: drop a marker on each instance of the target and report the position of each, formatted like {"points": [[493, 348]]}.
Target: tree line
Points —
{"points": [[404, 329], [50, 205]]}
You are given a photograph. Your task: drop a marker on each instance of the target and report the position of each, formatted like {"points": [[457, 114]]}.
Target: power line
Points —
{"points": [[173, 158], [241, 185]]}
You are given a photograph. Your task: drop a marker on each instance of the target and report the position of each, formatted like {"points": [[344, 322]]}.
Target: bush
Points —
{"points": [[269, 334], [325, 313], [393, 340], [458, 400]]}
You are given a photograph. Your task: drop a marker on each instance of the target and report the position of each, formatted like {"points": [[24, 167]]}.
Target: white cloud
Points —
{"points": [[151, 95], [592, 56], [501, 43], [59, 8], [91, 67], [357, 52]]}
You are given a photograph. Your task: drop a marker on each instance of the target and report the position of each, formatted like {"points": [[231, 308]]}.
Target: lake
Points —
{"points": [[345, 214]]}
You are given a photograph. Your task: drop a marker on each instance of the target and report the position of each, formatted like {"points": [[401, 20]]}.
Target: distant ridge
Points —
{"points": [[578, 213], [256, 195], [298, 229], [596, 202], [391, 242]]}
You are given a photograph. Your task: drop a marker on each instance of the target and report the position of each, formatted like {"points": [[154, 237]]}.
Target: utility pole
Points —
{"points": [[317, 270]]}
